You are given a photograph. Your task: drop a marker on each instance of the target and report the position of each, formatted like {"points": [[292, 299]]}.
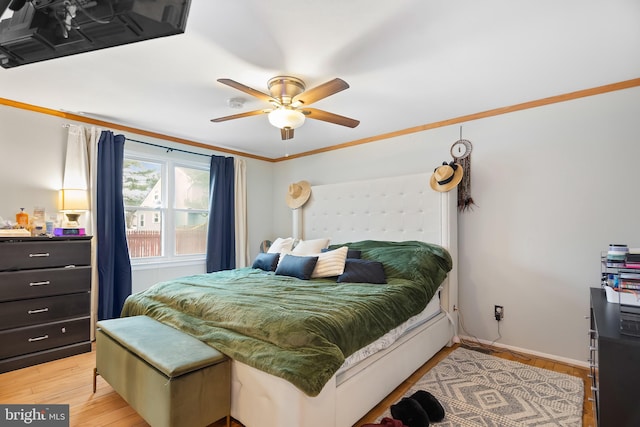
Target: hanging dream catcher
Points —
{"points": [[461, 152]]}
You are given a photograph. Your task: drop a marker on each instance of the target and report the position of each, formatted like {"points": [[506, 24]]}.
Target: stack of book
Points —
{"points": [[632, 260], [629, 280], [629, 271]]}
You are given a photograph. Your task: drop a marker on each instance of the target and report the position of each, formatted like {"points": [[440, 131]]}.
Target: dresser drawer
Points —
{"points": [[42, 337], [43, 254], [41, 310], [16, 285]]}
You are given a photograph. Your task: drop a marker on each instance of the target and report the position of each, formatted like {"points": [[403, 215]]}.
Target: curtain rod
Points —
{"points": [[169, 149]]}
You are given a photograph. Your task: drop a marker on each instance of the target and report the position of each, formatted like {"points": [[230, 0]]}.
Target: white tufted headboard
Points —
{"points": [[395, 209]]}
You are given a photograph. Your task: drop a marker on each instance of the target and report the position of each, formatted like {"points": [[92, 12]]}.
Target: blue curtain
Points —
{"points": [[114, 265], [221, 242]]}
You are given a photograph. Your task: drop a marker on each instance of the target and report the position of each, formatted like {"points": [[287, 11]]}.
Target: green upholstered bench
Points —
{"points": [[170, 378]]}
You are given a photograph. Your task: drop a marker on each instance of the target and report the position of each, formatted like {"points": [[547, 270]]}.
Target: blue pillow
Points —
{"points": [[266, 262], [362, 271], [297, 266]]}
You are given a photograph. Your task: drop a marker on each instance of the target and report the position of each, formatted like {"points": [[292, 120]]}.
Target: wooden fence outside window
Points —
{"points": [[148, 243]]}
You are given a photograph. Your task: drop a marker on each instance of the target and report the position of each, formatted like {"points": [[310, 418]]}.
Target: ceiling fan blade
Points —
{"points": [[286, 133], [239, 116], [246, 89], [319, 92], [325, 116]]}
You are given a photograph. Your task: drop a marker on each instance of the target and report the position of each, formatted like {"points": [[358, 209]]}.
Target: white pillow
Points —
{"points": [[310, 247], [281, 245], [330, 263]]}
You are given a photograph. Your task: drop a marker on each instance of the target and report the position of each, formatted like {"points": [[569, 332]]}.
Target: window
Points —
{"points": [[166, 207]]}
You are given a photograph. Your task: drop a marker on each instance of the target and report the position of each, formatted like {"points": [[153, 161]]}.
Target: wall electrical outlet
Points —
{"points": [[498, 312]]}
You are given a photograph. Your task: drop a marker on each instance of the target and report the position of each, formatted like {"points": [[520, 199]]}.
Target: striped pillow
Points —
{"points": [[330, 263]]}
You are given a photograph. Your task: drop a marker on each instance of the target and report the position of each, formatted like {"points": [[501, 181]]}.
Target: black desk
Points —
{"points": [[615, 360]]}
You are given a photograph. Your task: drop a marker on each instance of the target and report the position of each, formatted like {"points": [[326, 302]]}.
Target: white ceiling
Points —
{"points": [[408, 62]]}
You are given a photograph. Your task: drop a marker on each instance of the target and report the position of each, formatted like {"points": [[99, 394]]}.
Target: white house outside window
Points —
{"points": [[174, 196]]}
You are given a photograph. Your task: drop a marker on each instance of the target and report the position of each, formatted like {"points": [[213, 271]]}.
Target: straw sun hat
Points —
{"points": [[446, 177], [298, 194]]}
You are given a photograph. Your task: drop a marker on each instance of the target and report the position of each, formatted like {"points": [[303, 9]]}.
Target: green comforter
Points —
{"points": [[295, 329]]}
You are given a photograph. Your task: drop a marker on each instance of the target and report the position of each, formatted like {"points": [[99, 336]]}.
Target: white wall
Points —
{"points": [[554, 186], [33, 149]]}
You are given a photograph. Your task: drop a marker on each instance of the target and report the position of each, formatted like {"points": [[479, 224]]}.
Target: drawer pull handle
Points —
{"points": [[45, 254], [44, 337], [46, 282], [40, 310]]}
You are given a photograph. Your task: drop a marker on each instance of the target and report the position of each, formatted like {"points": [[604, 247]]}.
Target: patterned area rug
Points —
{"points": [[477, 389]]}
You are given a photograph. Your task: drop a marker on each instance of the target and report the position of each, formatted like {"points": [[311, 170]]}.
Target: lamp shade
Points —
{"points": [[286, 118], [73, 200]]}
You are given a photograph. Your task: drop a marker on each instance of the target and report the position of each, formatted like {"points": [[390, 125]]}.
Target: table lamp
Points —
{"points": [[73, 202]]}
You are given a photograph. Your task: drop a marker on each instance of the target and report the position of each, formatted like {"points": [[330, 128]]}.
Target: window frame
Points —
{"points": [[167, 211]]}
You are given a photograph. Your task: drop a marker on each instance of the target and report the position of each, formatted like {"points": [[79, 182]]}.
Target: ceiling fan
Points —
{"points": [[290, 100]]}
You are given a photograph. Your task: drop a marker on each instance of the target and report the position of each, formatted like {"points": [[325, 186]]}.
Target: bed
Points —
{"points": [[308, 382]]}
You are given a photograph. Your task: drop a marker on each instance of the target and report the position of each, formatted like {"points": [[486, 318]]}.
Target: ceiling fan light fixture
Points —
{"points": [[286, 118], [288, 95]]}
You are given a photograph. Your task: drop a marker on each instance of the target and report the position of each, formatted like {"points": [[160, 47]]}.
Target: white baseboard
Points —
{"points": [[574, 362]]}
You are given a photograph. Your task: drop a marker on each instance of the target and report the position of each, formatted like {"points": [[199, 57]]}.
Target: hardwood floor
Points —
{"points": [[70, 381]]}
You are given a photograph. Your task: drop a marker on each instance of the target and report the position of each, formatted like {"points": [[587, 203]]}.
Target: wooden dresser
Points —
{"points": [[45, 299]]}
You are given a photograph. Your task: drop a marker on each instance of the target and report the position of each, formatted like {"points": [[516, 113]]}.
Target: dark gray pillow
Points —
{"points": [[266, 262], [362, 271], [297, 266], [354, 254]]}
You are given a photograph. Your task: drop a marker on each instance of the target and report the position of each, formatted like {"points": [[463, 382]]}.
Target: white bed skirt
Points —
{"points": [[385, 341], [259, 399]]}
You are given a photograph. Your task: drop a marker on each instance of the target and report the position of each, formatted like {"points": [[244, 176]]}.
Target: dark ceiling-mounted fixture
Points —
{"points": [[40, 30], [289, 101]]}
